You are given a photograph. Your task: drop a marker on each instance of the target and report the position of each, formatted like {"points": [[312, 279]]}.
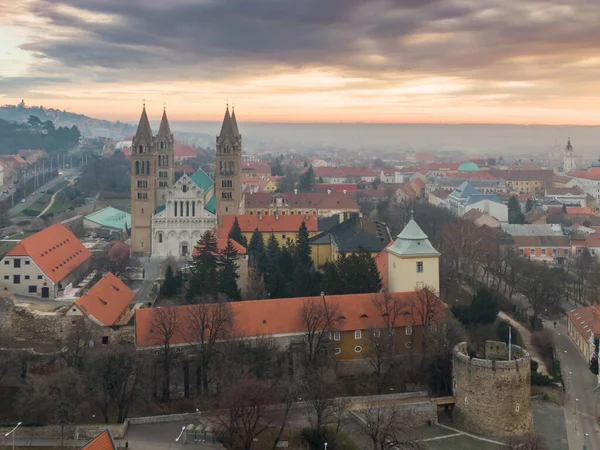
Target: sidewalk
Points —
{"points": [[526, 335]]}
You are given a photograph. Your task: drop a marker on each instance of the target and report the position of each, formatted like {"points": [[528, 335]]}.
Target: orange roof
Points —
{"points": [[381, 261], [106, 300], [309, 200], [183, 168], [590, 174], [55, 250], [255, 166], [183, 150], [268, 223], [580, 211], [345, 171], [586, 320], [103, 441], [283, 315]]}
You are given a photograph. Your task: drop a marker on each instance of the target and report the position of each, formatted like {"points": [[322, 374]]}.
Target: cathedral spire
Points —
{"points": [[227, 129], [144, 131], [164, 129], [234, 122]]}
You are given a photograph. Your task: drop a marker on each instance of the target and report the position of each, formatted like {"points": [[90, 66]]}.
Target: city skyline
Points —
{"points": [[426, 61]]}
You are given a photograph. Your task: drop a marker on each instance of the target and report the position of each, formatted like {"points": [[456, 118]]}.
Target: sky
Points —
{"points": [[388, 61]]}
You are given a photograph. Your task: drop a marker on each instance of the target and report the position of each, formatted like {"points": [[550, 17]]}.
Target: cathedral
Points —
{"points": [[167, 216]]}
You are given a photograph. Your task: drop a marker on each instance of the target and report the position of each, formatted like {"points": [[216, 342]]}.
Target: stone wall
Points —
{"points": [[493, 397], [70, 431]]}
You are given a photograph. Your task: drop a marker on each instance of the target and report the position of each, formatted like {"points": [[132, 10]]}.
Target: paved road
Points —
{"points": [[30, 199], [151, 268], [580, 399]]}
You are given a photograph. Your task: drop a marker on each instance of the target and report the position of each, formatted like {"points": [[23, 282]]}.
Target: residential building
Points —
{"points": [[283, 227], [583, 326], [412, 263], [255, 170], [350, 235], [543, 248], [183, 168], [438, 197], [527, 181], [281, 320], [479, 218], [588, 180], [570, 196], [183, 152], [288, 203], [466, 197], [106, 303], [345, 174], [43, 264], [189, 212], [533, 229], [561, 181], [109, 219], [228, 168], [485, 185]]}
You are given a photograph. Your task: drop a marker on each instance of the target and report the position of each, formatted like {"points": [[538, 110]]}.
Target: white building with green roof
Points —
{"points": [[188, 212]]}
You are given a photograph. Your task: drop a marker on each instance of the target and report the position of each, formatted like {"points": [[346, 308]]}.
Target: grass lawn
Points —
{"points": [[458, 296], [6, 246], [124, 204]]}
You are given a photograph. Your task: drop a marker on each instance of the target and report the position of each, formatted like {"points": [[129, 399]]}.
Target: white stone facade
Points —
{"points": [[177, 228]]}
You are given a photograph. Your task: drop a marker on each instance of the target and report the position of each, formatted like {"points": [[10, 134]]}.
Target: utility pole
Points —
{"points": [[509, 342], [43, 171]]}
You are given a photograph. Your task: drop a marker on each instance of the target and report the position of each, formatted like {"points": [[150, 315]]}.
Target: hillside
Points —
{"points": [[36, 135], [88, 126]]}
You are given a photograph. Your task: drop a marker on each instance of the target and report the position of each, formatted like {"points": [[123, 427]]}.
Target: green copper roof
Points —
{"points": [[412, 241], [159, 208], [211, 205], [111, 218], [202, 180], [412, 231], [468, 167]]}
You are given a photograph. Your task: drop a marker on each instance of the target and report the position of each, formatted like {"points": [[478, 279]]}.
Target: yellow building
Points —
{"points": [[282, 227], [527, 181], [583, 325], [293, 203]]}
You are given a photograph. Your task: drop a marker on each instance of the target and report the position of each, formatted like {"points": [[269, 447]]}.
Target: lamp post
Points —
{"points": [[325, 445], [13, 432]]}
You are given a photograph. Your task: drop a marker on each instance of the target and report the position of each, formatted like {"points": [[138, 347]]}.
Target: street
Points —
{"points": [[151, 268], [580, 399]]}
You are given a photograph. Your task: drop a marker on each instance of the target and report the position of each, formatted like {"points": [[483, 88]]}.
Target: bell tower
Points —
{"points": [[143, 186], [228, 167], [164, 158], [569, 161]]}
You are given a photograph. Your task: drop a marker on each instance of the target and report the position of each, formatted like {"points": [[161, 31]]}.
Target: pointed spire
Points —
{"points": [[234, 122], [227, 130], [164, 129], [144, 131]]}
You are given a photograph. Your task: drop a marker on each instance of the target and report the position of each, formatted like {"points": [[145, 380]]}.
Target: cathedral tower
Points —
{"points": [[143, 186], [165, 153], [569, 161], [228, 167]]}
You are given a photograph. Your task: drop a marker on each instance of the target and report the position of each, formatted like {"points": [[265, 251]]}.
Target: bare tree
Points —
{"points": [[255, 289], [544, 287], [386, 427], [288, 392], [207, 324], [164, 326], [321, 319], [427, 310], [73, 348]]}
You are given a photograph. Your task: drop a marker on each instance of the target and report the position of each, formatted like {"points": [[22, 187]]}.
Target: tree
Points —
{"points": [[515, 215], [289, 180], [275, 281], [164, 326], [256, 252], [307, 180], [386, 427], [236, 233], [208, 324], [256, 289], [302, 247], [73, 348], [483, 310], [529, 205], [544, 287], [276, 169], [169, 286], [228, 274], [204, 269], [428, 310], [581, 267], [356, 273], [320, 319]]}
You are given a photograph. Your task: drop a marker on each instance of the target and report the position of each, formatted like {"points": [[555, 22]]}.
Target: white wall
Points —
{"points": [[494, 209], [29, 269]]}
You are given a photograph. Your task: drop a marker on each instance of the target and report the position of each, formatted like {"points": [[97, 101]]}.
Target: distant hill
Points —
{"points": [[88, 126]]}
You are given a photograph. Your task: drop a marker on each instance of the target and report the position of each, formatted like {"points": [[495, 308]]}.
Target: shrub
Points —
{"points": [[543, 341], [594, 366], [30, 212], [537, 379], [315, 439], [555, 370]]}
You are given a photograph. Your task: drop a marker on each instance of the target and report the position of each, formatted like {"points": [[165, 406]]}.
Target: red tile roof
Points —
{"points": [[525, 175], [345, 171], [310, 200], [441, 193], [183, 150], [268, 223], [119, 250], [586, 320], [575, 190], [324, 187], [283, 315], [55, 250], [255, 166], [106, 300], [103, 441], [126, 151], [222, 244], [186, 168], [578, 210]]}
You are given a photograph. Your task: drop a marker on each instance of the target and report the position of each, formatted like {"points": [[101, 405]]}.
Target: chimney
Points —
{"points": [[260, 215], [328, 191], [295, 191], [322, 295], [344, 191], [341, 217], [277, 215], [306, 216]]}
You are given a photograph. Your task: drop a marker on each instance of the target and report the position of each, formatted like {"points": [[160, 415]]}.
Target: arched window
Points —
{"points": [[137, 167], [184, 188], [175, 209], [166, 160], [160, 238], [141, 149], [162, 145], [193, 209], [230, 166], [187, 209]]}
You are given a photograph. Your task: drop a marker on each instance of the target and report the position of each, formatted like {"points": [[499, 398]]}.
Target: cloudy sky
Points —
{"points": [[493, 61]]}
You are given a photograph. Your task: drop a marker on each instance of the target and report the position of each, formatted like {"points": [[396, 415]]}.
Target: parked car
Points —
{"points": [[22, 200]]}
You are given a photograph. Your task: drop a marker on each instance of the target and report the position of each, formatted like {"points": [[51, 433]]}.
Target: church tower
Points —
{"points": [[165, 153], [143, 186], [569, 161], [228, 167], [413, 263]]}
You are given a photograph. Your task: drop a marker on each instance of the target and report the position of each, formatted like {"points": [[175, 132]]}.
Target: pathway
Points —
{"points": [[49, 205], [526, 336]]}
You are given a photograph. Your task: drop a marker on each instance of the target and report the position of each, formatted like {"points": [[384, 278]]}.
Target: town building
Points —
{"points": [[283, 227], [587, 179], [45, 263], [104, 441], [479, 218], [189, 212], [466, 197], [543, 248], [515, 229], [108, 220], [288, 203], [527, 181], [255, 170], [570, 196], [345, 174], [183, 152], [486, 185], [106, 303], [583, 327]]}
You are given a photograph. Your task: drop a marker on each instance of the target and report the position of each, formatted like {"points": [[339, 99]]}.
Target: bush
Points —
{"points": [[315, 439], [555, 370], [537, 379], [594, 366], [30, 212], [543, 341]]}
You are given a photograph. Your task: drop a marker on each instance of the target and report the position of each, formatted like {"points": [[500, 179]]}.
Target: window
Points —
{"points": [[553, 252], [337, 336], [6, 277], [543, 251], [376, 332], [32, 289], [27, 262], [408, 330], [283, 236], [17, 262], [104, 340], [532, 251], [27, 277], [358, 349], [17, 279], [357, 334], [6, 262], [338, 350], [419, 266], [39, 277], [184, 188], [160, 238], [408, 345]]}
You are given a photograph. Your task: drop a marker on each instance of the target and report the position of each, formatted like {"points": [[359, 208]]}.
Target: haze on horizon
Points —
{"points": [[382, 61]]}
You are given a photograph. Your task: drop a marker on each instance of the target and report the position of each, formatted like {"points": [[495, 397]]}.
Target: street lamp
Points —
{"points": [[325, 445], [180, 434], [13, 432]]}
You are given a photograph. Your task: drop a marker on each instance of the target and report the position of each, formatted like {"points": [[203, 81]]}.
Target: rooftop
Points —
{"points": [[106, 300], [267, 223], [356, 233], [532, 229], [412, 241], [586, 320], [103, 441], [468, 166], [542, 241], [111, 218], [310, 200]]}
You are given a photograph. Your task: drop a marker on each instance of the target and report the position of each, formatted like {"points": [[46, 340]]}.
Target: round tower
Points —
{"points": [[493, 394]]}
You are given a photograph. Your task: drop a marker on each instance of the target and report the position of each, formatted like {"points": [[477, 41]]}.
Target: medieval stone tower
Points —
{"points": [[151, 161], [228, 167], [569, 160]]}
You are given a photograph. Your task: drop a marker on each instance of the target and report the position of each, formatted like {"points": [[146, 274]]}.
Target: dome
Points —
{"points": [[468, 167]]}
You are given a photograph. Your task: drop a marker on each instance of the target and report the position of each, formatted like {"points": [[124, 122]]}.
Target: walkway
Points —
{"points": [[49, 205], [526, 336]]}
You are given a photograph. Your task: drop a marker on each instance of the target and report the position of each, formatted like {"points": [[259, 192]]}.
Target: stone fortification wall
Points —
{"points": [[493, 396]]}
